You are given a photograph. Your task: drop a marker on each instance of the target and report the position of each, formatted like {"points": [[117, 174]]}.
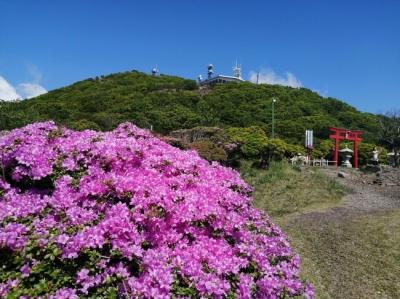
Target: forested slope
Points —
{"points": [[169, 103]]}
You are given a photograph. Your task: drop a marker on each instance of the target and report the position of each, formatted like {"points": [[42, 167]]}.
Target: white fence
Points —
{"points": [[303, 160]]}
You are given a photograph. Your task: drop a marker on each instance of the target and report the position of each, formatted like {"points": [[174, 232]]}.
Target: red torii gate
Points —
{"points": [[343, 134]]}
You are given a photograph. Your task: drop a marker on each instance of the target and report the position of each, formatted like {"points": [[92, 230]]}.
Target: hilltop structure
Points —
{"points": [[215, 79], [155, 72]]}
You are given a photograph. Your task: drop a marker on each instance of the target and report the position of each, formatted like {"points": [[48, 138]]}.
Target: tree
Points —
{"points": [[170, 103], [325, 148], [255, 145], [274, 149], [252, 140], [390, 132]]}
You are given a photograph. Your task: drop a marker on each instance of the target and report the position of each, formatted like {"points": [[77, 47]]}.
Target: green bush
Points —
{"points": [[254, 144], [84, 124], [365, 153], [209, 151]]}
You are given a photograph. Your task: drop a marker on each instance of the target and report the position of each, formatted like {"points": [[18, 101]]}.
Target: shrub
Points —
{"points": [[105, 215], [292, 150], [84, 124], [208, 150], [365, 153], [253, 143], [252, 140]]}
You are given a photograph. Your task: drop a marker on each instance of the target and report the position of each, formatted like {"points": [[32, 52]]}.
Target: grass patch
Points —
{"points": [[344, 255], [354, 257], [284, 189]]}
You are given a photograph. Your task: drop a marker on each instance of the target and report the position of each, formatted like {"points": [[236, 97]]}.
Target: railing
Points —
{"points": [[314, 162]]}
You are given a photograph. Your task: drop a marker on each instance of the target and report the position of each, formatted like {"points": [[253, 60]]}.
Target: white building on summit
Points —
{"points": [[215, 79]]}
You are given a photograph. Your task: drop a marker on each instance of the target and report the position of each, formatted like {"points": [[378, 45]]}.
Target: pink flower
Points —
{"points": [[25, 270], [143, 215]]}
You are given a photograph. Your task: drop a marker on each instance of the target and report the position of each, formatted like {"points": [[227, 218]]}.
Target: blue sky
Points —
{"points": [[344, 49]]}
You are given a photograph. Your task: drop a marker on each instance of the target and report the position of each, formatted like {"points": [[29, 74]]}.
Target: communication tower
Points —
{"points": [[210, 71], [237, 71]]}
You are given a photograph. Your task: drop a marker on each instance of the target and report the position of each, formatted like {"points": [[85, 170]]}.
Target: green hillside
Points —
{"points": [[169, 103]]}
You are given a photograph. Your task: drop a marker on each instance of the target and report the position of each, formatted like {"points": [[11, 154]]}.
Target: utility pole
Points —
{"points": [[273, 117]]}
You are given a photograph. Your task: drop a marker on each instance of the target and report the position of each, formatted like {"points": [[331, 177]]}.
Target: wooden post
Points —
{"points": [[336, 151], [355, 154]]}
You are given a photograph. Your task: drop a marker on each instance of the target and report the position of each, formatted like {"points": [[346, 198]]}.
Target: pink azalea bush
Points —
{"points": [[123, 214]]}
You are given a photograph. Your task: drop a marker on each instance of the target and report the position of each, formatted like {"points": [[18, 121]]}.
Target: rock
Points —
{"points": [[373, 168], [342, 174], [191, 135]]}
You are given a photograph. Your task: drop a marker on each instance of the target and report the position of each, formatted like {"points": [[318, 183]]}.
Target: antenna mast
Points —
{"points": [[237, 71], [210, 71]]}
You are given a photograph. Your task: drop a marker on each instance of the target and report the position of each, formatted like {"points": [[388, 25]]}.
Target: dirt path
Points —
{"points": [[365, 195]]}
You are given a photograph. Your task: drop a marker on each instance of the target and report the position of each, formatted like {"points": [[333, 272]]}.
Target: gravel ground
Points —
{"points": [[366, 194], [369, 192]]}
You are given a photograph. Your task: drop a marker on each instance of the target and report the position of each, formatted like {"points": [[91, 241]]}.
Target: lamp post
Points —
{"points": [[273, 117]]}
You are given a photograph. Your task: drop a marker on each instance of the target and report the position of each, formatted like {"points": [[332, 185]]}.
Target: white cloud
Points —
{"points": [[270, 77], [7, 91], [322, 93], [30, 90], [35, 73], [25, 90]]}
